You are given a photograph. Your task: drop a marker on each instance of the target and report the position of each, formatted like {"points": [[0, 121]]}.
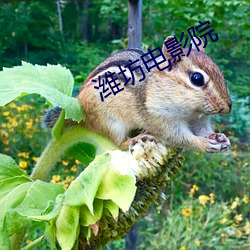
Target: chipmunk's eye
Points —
{"points": [[197, 79]]}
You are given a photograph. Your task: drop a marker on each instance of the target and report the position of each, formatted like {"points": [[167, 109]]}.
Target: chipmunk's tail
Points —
{"points": [[50, 117]]}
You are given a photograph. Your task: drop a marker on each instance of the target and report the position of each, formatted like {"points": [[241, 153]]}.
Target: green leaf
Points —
{"points": [[51, 212], [11, 200], [53, 82], [118, 188], [86, 218], [14, 223], [46, 216], [26, 202], [50, 234], [83, 189], [101, 180], [39, 194], [86, 231], [14, 198], [112, 208], [9, 168], [67, 226], [4, 240], [6, 186], [83, 152], [58, 127], [20, 197]]}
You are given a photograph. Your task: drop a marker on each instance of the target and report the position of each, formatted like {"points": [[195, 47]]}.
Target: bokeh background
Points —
{"points": [[207, 206]]}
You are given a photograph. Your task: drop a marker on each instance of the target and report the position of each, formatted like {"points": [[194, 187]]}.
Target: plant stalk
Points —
{"points": [[57, 147]]}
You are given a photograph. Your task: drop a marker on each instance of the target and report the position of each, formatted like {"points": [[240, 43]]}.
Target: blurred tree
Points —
{"points": [[85, 20], [134, 23], [131, 238], [58, 3]]}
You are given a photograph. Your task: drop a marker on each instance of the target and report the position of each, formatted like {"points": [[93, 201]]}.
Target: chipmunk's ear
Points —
{"points": [[164, 48], [199, 43]]}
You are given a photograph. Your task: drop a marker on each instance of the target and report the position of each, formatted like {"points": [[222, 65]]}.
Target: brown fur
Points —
{"points": [[166, 104]]}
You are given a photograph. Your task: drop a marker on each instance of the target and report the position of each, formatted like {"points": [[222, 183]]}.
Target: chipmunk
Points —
{"points": [[173, 105]]}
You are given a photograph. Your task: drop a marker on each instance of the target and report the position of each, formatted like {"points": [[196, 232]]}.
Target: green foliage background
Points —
{"points": [[30, 32]]}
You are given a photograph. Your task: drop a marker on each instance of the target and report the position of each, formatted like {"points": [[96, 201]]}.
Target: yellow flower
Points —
{"points": [[29, 124], [55, 178], [203, 199], [65, 163], [238, 218], [24, 154], [23, 164], [73, 168], [247, 227], [23, 107], [223, 220], [70, 178], [14, 123], [245, 199], [4, 134], [77, 162], [187, 211], [35, 159], [65, 185], [234, 152], [225, 164], [6, 113], [20, 154], [197, 242], [6, 141], [182, 248], [19, 108], [235, 203], [12, 105], [211, 195], [193, 190]]}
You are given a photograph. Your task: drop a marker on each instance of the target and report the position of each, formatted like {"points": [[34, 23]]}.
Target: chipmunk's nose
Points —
{"points": [[226, 109]]}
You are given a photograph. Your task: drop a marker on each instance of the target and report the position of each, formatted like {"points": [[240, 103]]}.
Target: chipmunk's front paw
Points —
{"points": [[218, 142]]}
